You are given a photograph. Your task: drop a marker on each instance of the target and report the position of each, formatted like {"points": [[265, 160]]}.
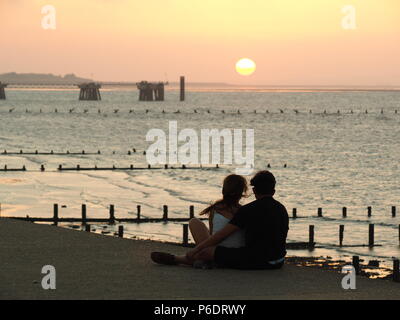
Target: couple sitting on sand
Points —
{"points": [[252, 236]]}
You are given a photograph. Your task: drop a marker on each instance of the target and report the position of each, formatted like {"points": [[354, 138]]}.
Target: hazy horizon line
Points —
{"points": [[212, 83]]}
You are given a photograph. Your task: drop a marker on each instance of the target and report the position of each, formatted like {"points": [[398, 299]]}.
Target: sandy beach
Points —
{"points": [[93, 266]]}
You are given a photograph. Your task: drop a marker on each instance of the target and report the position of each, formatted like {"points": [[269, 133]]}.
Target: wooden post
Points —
{"points": [[112, 216], [396, 274], [393, 211], [371, 235], [165, 213], [87, 228], [320, 212], [191, 212], [83, 214], [294, 213], [2, 91], [55, 214], [311, 236], [369, 211], [356, 264], [121, 231], [344, 212], [182, 89], [185, 234], [341, 234], [138, 212]]}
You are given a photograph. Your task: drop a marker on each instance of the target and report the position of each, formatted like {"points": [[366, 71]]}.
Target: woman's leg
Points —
{"points": [[198, 230]]}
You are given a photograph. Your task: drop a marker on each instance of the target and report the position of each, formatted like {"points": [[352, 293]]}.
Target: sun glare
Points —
{"points": [[245, 67]]}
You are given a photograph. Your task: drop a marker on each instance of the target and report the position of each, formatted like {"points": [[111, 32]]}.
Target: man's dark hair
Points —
{"points": [[263, 182]]}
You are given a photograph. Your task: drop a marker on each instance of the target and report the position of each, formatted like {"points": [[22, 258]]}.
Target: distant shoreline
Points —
{"points": [[51, 81], [195, 88]]}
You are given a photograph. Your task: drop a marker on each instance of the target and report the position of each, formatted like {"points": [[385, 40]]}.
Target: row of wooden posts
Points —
{"points": [[84, 220], [344, 212], [371, 235], [111, 219], [165, 218], [51, 152], [71, 110], [356, 259], [96, 168]]}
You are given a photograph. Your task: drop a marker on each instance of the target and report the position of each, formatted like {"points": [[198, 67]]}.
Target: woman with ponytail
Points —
{"points": [[219, 214]]}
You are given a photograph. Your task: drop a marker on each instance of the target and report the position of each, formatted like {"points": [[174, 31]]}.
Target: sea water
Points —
{"points": [[340, 149]]}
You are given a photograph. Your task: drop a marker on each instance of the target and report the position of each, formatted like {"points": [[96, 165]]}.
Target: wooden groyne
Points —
{"points": [[112, 219], [131, 167], [237, 113], [6, 168], [344, 212], [182, 88], [112, 168], [371, 237], [2, 91], [48, 153], [65, 153]]}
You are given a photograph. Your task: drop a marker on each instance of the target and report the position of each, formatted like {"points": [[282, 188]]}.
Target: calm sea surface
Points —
{"points": [[333, 159]]}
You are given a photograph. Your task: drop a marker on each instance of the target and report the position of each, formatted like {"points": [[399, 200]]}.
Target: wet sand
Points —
{"points": [[93, 266]]}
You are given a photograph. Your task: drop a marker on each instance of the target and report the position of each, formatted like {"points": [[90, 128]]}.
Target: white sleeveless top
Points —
{"points": [[235, 240]]}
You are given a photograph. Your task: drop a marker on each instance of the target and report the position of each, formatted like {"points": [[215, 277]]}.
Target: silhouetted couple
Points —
{"points": [[252, 236]]}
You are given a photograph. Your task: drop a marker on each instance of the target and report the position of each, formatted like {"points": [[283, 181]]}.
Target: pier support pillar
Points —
{"points": [[182, 89], [2, 91], [89, 91], [149, 91]]}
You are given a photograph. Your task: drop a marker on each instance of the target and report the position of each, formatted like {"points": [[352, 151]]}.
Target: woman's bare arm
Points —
{"points": [[210, 221]]}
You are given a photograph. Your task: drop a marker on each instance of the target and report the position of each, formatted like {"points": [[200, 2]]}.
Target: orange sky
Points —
{"points": [[293, 42]]}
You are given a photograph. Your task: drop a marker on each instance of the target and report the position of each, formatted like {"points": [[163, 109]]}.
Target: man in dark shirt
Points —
{"points": [[266, 224]]}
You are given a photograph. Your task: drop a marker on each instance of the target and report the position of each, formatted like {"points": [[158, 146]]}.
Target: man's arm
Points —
{"points": [[214, 239]]}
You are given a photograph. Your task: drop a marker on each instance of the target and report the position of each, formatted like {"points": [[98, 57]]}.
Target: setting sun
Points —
{"points": [[245, 67]]}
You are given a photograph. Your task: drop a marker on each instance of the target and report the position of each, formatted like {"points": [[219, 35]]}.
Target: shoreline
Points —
{"points": [[329, 259], [91, 266], [376, 268], [373, 270]]}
